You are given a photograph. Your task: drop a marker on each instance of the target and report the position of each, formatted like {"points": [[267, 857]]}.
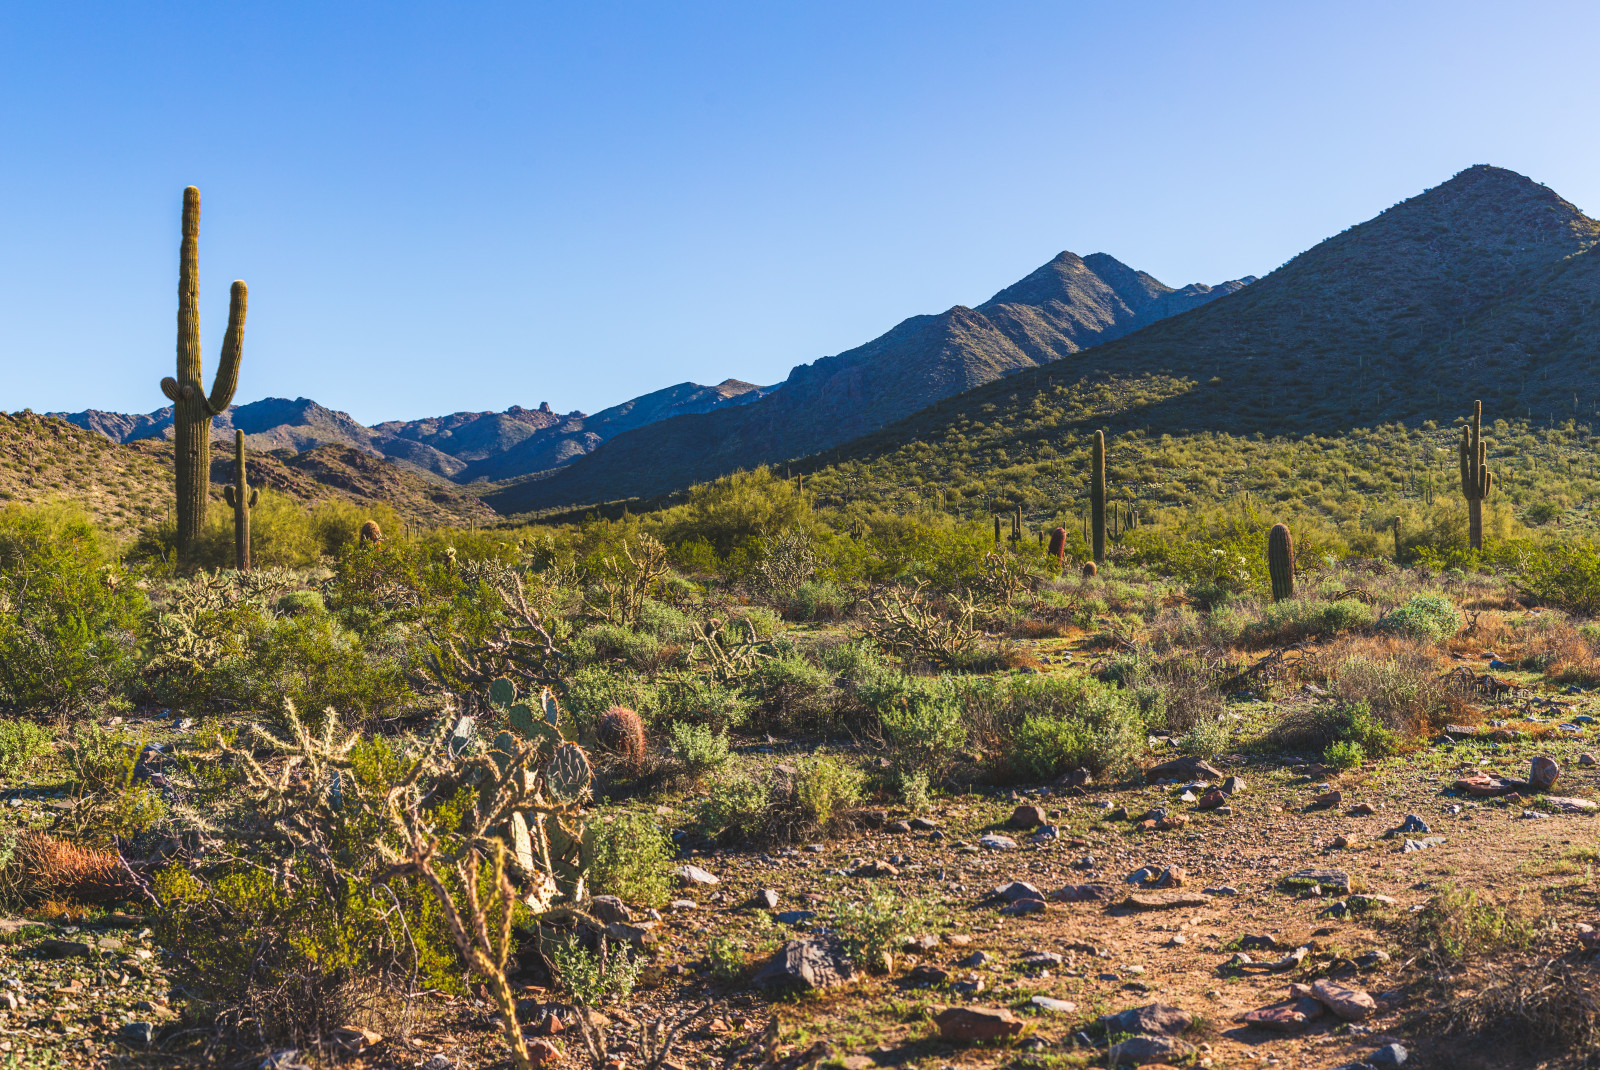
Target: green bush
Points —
{"points": [[596, 688], [914, 792], [791, 692], [697, 748], [1426, 617], [587, 980], [825, 787], [818, 600], [314, 663], [698, 700], [629, 859], [68, 612], [1296, 619], [21, 743], [297, 602], [735, 809], [921, 722], [1071, 722], [640, 650], [1344, 754], [874, 928], [1565, 574]]}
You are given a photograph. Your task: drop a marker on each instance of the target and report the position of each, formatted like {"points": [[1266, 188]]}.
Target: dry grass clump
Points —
{"points": [[43, 868], [1400, 679]]}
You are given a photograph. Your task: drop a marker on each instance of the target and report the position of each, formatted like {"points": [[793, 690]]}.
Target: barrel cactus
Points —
{"points": [[370, 533], [1058, 547], [621, 731], [1280, 562]]}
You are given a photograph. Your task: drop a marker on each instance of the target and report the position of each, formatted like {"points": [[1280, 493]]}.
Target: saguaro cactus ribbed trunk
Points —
{"points": [[192, 409], [1476, 479], [1280, 562], [241, 503], [1097, 494]]}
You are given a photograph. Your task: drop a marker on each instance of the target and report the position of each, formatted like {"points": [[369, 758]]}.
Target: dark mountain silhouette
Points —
{"points": [[1068, 304]]}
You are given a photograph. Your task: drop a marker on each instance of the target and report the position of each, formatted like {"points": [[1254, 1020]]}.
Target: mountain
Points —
{"points": [[462, 447], [1363, 352], [1068, 304], [128, 486]]}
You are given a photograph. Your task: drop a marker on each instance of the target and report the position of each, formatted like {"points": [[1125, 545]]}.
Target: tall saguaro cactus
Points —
{"points": [[1280, 562], [241, 503], [1476, 479], [192, 409], [1097, 494]]}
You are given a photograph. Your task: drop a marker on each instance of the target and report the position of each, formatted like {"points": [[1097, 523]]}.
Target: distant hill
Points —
{"points": [[462, 447], [126, 487], [1068, 304]]}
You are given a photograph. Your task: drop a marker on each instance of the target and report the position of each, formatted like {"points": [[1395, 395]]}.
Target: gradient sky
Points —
{"points": [[468, 206]]}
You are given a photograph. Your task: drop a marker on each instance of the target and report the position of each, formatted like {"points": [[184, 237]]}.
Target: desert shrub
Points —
{"points": [[791, 691], [1297, 619], [913, 789], [589, 981], [873, 928], [735, 809], [700, 700], [1455, 926], [629, 859], [1563, 573], [314, 663], [1427, 617], [697, 748], [825, 787], [109, 798], [36, 867], [639, 650], [920, 720], [21, 743], [296, 602], [1398, 683], [1206, 738], [818, 600], [68, 612], [596, 688], [1044, 726], [1344, 754], [726, 960]]}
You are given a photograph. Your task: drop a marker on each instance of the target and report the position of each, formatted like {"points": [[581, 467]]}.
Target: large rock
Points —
{"points": [[609, 909], [1286, 1017], [1337, 879], [1145, 1051], [1083, 893], [1159, 1018], [691, 875], [1542, 776], [1164, 900], [818, 962], [1351, 1004], [1186, 768], [1016, 890], [1026, 816], [1485, 785], [977, 1023]]}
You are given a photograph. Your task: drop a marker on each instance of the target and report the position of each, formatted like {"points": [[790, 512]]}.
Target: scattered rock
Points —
{"points": [[692, 875], [1050, 1003], [1083, 893], [975, 960], [1422, 844], [608, 908], [542, 1053], [1026, 816], [1362, 809], [1371, 960], [1234, 785], [1159, 1018], [682, 904], [1015, 890], [1164, 900], [928, 974], [872, 819], [1078, 778], [1586, 758], [923, 824], [1117, 813], [995, 842], [922, 942], [1328, 799], [765, 899], [875, 868], [1568, 805], [794, 917], [1484, 785], [977, 1023], [1171, 877], [1185, 768], [1286, 1017], [1147, 1051], [898, 826], [1023, 907], [353, 1039], [1389, 1055], [1412, 823], [1222, 889], [817, 962], [1172, 821], [52, 948], [139, 1033], [1211, 800], [1341, 842], [1351, 1004], [1543, 773], [1327, 878]]}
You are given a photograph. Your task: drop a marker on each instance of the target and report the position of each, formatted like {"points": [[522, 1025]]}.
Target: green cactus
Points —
{"points": [[1280, 562], [1476, 479], [241, 504], [1097, 494], [192, 410]]}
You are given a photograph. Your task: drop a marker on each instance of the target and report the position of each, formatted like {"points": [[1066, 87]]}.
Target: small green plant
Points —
{"points": [[698, 748], [1344, 754], [587, 979], [1428, 617], [21, 743], [872, 929], [826, 786], [629, 856], [727, 960], [735, 809], [1459, 925], [914, 791]]}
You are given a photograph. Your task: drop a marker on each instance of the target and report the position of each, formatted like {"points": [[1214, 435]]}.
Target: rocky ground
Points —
{"points": [[1261, 906]]}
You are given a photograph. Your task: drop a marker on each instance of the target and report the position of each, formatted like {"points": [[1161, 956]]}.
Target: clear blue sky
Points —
{"points": [[468, 206]]}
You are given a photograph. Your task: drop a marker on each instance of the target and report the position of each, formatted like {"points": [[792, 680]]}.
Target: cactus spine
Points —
{"points": [[1476, 479], [1097, 494], [192, 409], [242, 504], [1280, 562]]}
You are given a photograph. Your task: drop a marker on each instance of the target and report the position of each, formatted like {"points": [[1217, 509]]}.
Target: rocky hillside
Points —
{"points": [[464, 446], [126, 487], [1068, 304]]}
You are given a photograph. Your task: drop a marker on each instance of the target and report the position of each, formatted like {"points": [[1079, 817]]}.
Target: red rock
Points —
{"points": [[542, 1053], [1327, 799], [1351, 1004], [1486, 784], [1026, 816], [1543, 774], [977, 1023], [1211, 800], [1285, 1017]]}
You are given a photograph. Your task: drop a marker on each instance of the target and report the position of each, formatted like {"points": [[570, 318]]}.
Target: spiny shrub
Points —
{"points": [[698, 700], [1426, 617], [630, 855]]}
